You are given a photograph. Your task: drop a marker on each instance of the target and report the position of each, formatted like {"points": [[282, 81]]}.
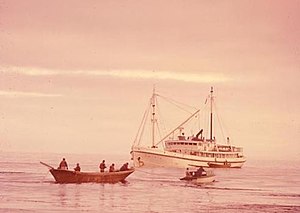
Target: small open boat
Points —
{"points": [[68, 176], [219, 165], [207, 177]]}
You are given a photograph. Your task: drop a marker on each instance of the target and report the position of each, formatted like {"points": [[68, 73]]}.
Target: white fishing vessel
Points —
{"points": [[175, 149]]}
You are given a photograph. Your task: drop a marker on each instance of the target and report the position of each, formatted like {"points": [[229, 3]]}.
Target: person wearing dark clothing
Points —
{"points": [[102, 166], [124, 167], [200, 171], [188, 174], [63, 164], [77, 168], [112, 168]]}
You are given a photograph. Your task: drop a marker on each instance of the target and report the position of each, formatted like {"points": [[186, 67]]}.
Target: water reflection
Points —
{"points": [[77, 196], [62, 191]]}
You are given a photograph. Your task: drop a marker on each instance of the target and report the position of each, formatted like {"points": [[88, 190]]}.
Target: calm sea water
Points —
{"points": [[260, 186]]}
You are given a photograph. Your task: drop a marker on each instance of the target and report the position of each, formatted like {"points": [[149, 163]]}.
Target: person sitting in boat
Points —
{"points": [[77, 168], [199, 172], [112, 168], [124, 167], [102, 166], [63, 165], [188, 173]]}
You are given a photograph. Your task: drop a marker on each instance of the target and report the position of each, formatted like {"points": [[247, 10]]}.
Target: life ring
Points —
{"points": [[141, 163]]}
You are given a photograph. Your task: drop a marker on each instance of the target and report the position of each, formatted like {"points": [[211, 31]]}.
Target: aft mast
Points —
{"points": [[211, 114]]}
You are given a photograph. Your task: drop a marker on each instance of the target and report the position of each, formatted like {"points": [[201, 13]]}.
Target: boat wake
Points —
{"points": [[233, 189], [283, 195], [11, 172]]}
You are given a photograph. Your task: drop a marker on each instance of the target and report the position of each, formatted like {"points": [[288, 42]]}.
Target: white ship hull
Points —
{"points": [[153, 157]]}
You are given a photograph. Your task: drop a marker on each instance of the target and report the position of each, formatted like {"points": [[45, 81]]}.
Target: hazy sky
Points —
{"points": [[75, 76]]}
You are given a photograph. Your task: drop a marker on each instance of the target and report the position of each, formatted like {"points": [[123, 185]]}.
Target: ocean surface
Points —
{"points": [[260, 186]]}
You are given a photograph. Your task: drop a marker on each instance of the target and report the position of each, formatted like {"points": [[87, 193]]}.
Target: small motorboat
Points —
{"points": [[205, 177], [68, 176]]}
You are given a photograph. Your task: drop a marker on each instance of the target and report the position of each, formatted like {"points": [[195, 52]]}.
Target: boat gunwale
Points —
{"points": [[94, 173]]}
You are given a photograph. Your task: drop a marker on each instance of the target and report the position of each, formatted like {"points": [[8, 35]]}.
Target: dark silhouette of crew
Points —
{"points": [[63, 165], [199, 171], [102, 166], [124, 167], [112, 168], [77, 168]]}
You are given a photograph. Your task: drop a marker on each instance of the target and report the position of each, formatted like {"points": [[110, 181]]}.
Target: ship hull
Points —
{"points": [[153, 157]]}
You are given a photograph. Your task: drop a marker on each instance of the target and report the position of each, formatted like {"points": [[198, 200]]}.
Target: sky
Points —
{"points": [[76, 76]]}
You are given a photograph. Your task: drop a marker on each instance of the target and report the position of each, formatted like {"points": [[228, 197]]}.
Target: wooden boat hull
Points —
{"points": [[67, 176], [200, 180]]}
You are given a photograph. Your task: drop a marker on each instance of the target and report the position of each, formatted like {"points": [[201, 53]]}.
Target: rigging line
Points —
{"points": [[158, 130], [178, 127], [175, 103], [223, 124], [162, 123], [219, 121], [199, 120], [205, 120], [156, 121], [196, 121], [142, 131], [141, 124], [150, 173], [194, 108]]}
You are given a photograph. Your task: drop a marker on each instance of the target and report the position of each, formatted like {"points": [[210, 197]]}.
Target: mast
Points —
{"points": [[153, 119], [211, 114]]}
